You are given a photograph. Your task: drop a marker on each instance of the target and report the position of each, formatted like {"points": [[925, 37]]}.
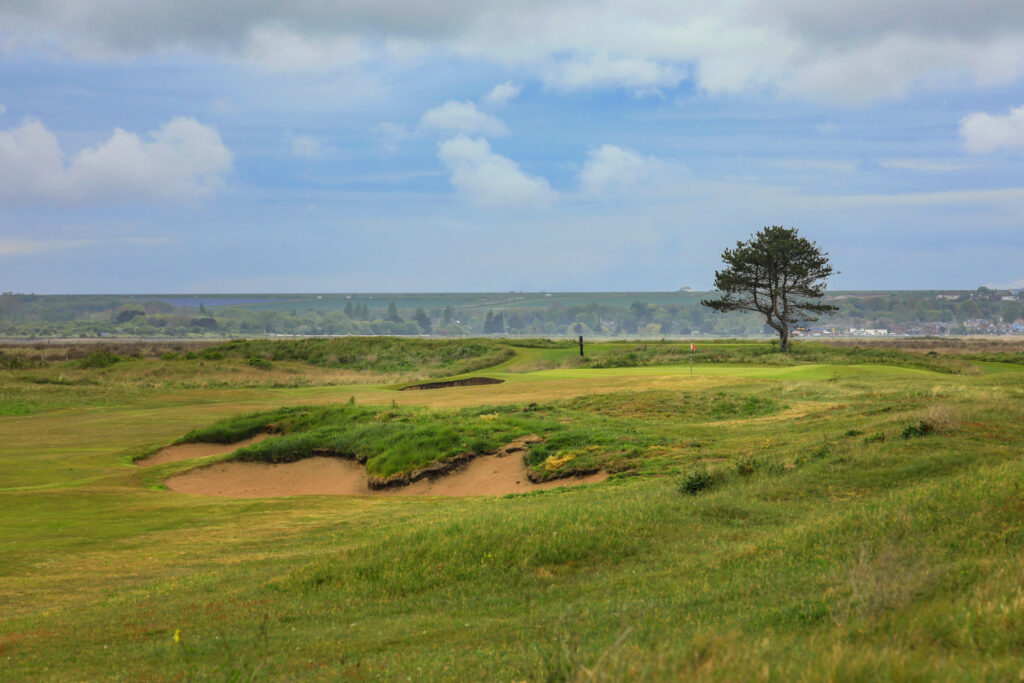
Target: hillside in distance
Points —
{"points": [[605, 314]]}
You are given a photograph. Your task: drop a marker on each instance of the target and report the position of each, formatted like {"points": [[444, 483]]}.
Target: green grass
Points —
{"points": [[821, 545], [429, 357]]}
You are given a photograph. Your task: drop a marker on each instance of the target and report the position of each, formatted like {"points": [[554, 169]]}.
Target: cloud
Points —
{"points": [[17, 247], [462, 117], [920, 165], [278, 49], [817, 165], [603, 71], [846, 50], [305, 146], [982, 133], [502, 93], [3, 110], [1016, 284], [489, 179], [1007, 195], [391, 135], [610, 167], [182, 159]]}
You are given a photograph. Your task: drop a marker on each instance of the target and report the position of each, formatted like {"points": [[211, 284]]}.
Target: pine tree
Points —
{"points": [[489, 323], [424, 322], [393, 313], [348, 308], [778, 274]]}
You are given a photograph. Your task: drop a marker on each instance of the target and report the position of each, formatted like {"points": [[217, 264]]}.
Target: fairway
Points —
{"points": [[836, 514]]}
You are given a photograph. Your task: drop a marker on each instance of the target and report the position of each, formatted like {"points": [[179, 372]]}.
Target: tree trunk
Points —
{"points": [[784, 338]]}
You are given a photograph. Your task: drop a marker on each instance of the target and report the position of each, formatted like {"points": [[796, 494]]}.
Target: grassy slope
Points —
{"points": [[897, 558]]}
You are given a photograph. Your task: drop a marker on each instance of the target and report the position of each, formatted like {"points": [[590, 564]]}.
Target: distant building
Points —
{"points": [[868, 332]]}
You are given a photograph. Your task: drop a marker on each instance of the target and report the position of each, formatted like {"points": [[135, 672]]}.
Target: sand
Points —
{"points": [[483, 476], [188, 451]]}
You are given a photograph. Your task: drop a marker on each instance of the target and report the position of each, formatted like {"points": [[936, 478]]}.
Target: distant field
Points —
{"points": [[619, 315], [845, 512]]}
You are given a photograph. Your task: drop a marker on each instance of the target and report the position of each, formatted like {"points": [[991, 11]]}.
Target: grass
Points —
{"points": [[425, 357], [824, 545]]}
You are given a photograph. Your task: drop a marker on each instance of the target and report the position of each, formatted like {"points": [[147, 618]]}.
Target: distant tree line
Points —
{"points": [[25, 315]]}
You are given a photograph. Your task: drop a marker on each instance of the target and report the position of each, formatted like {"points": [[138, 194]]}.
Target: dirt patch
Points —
{"points": [[468, 382], [487, 475], [188, 451]]}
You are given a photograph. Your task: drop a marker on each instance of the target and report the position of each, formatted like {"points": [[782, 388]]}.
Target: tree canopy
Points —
{"points": [[778, 274]]}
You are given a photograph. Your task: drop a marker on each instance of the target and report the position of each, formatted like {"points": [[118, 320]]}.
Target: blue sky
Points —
{"points": [[488, 146]]}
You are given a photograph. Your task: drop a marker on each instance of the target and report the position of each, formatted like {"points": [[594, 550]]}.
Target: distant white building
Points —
{"points": [[868, 332]]}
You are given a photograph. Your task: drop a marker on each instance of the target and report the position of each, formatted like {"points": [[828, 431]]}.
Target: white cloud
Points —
{"points": [[602, 71], [462, 117], [1007, 195], [489, 179], [306, 146], [921, 165], [1016, 284], [277, 49], [609, 167], [843, 50], [817, 165], [182, 159], [982, 133], [502, 93], [391, 135], [17, 247]]}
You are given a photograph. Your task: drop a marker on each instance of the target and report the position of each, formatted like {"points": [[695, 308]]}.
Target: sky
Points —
{"points": [[398, 145]]}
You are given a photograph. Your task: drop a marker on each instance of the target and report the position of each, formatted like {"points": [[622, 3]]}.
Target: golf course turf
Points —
{"points": [[834, 514]]}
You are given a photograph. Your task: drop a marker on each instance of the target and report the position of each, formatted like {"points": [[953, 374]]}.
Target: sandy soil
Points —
{"points": [[188, 451], [483, 476]]}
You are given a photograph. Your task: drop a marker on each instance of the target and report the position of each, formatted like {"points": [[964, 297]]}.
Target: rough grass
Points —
{"points": [[633, 354], [399, 440], [430, 357], [818, 552]]}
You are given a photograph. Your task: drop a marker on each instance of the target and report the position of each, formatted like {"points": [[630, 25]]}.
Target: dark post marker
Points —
{"points": [[581, 346]]}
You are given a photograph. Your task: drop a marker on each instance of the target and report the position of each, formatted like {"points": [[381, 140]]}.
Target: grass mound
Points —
{"points": [[429, 357], [613, 431], [395, 442], [632, 354]]}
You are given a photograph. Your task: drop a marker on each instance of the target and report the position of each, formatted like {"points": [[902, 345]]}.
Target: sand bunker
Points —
{"points": [[468, 382], [188, 451], [483, 476]]}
